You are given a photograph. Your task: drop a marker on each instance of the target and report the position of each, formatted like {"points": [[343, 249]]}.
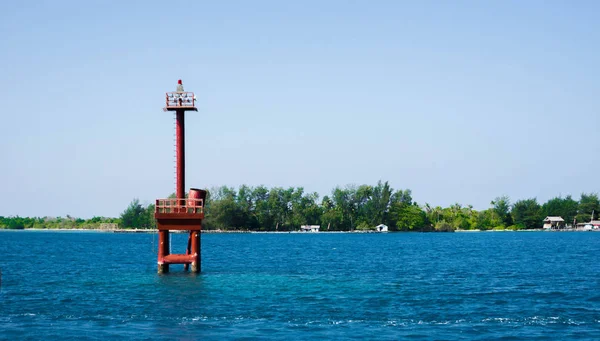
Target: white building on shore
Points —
{"points": [[381, 228], [591, 225], [554, 223], [310, 228]]}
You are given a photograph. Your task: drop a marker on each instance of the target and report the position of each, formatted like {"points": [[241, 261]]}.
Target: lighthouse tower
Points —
{"points": [[180, 213]]}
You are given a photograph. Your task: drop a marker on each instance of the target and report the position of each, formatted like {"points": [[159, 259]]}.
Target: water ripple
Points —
{"points": [[478, 286]]}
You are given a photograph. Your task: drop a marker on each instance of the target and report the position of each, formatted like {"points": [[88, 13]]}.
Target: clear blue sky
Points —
{"points": [[459, 101]]}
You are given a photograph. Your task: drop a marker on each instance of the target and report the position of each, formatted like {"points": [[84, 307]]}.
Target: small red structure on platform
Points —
{"points": [[180, 213]]}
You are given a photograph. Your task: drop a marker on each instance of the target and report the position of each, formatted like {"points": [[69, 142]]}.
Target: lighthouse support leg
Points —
{"points": [[195, 251], [163, 250]]}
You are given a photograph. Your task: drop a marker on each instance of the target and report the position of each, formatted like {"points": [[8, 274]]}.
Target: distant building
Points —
{"points": [[310, 228], [554, 223], [593, 224], [381, 228]]}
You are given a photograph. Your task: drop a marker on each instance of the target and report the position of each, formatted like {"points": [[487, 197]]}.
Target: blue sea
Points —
{"points": [[419, 286]]}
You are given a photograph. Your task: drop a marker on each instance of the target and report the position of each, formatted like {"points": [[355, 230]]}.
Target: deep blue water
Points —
{"points": [[461, 286]]}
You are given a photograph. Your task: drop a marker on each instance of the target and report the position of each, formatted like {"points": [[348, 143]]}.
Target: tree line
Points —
{"points": [[68, 222], [363, 207], [348, 208]]}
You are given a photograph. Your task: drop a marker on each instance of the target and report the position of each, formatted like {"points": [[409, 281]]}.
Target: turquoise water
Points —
{"points": [[461, 286]]}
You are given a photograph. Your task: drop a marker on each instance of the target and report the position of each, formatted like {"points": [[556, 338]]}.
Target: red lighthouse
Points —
{"points": [[180, 213]]}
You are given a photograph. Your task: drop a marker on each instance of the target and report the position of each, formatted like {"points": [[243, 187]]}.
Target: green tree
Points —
{"points": [[362, 207], [401, 215], [443, 226], [263, 213], [501, 207], [280, 206], [432, 214], [14, 223], [375, 210], [246, 208], [562, 207], [410, 217], [487, 219], [224, 211], [134, 216], [306, 210], [588, 204], [149, 221], [343, 202], [527, 213], [332, 216]]}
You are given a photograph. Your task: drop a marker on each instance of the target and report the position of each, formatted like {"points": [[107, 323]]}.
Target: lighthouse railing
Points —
{"points": [[179, 206], [180, 100]]}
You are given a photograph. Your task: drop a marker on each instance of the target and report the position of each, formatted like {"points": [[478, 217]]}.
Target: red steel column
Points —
{"points": [[180, 155], [195, 251], [163, 250], [194, 246], [180, 136]]}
